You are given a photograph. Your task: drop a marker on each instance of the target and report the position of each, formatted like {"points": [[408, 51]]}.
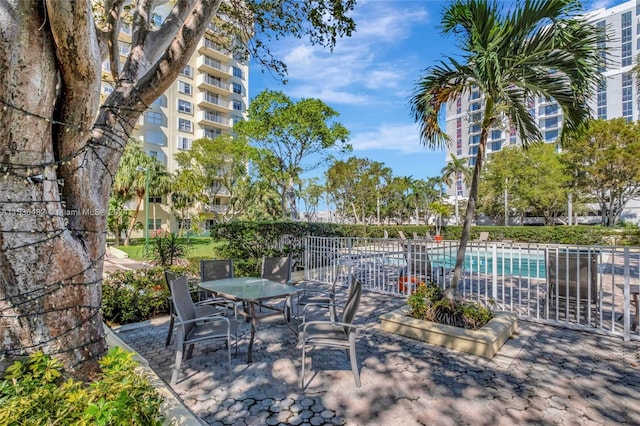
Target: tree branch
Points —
{"points": [[78, 55], [113, 10], [177, 54], [159, 40]]}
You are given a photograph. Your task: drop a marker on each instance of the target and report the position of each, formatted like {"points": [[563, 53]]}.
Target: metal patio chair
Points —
{"points": [[204, 308], [194, 329], [333, 334]]}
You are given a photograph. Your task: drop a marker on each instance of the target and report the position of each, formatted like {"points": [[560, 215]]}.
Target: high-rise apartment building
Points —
{"points": [[206, 100], [614, 96]]}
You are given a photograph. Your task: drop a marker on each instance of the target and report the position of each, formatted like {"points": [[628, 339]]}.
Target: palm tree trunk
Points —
{"points": [[127, 235], [452, 291]]}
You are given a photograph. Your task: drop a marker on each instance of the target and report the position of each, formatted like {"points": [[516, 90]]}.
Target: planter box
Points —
{"points": [[484, 342]]}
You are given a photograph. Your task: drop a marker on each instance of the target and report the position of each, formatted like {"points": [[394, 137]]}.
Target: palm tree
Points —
{"points": [[542, 48], [450, 175]]}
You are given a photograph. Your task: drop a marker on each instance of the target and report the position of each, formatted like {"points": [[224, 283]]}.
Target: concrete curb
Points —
{"points": [[173, 409], [117, 252]]}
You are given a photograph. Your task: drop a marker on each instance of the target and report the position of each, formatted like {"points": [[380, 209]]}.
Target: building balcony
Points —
{"points": [[207, 118], [213, 50], [213, 67], [206, 82], [216, 103], [215, 208]]}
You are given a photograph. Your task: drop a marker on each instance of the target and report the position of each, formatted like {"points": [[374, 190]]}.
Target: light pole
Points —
{"points": [[506, 203], [146, 205]]}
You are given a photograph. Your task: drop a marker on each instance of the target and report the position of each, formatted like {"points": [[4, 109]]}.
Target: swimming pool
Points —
{"points": [[519, 263]]}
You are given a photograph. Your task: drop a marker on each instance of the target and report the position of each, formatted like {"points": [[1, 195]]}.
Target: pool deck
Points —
{"points": [[543, 375]]}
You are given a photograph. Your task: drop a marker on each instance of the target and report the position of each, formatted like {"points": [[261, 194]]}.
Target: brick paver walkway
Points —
{"points": [[543, 375]]}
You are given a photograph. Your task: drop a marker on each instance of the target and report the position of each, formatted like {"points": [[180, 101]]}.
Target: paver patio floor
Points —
{"points": [[543, 375]]}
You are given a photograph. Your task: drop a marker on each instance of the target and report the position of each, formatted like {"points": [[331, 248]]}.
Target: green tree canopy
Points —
{"points": [[536, 180], [220, 163], [604, 162], [293, 137]]}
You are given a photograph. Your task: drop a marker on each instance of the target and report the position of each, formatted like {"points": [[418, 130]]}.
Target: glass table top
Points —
{"points": [[248, 288]]}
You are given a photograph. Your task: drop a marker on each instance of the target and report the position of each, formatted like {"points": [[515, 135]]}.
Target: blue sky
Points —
{"points": [[369, 78]]}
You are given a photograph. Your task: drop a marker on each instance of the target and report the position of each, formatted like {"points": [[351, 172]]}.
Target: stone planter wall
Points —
{"points": [[484, 342]]}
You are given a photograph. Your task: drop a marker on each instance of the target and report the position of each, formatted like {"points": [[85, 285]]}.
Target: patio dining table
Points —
{"points": [[253, 291]]}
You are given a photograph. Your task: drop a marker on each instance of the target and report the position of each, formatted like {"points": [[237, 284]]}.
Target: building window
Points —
{"points": [[153, 154], [184, 143], [459, 106], [237, 88], [627, 96], [156, 20], [154, 137], [126, 28], [153, 199], [185, 125], [187, 71], [211, 133], [236, 119], [626, 38], [107, 89], [154, 117], [551, 136], [473, 150], [551, 122], [152, 224], [161, 101], [184, 224], [601, 45], [185, 106], [602, 99], [551, 109], [237, 72], [496, 146], [184, 87], [237, 105], [475, 140], [496, 134], [125, 48]]}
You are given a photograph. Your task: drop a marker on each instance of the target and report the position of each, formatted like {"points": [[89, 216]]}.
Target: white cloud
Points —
{"points": [[601, 4], [393, 137], [356, 65]]}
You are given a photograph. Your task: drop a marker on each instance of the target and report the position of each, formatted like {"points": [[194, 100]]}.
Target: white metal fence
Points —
{"points": [[595, 287]]}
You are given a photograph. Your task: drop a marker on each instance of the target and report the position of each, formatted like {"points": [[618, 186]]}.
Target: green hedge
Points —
{"points": [[248, 242]]}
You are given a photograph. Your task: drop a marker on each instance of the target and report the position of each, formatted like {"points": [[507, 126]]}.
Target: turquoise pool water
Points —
{"points": [[523, 264]]}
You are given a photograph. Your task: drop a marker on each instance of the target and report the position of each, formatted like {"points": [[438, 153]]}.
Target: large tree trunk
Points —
{"points": [[59, 153]]}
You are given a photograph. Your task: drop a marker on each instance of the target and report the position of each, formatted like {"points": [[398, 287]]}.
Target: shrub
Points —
{"points": [[36, 391], [133, 296], [429, 303], [168, 249]]}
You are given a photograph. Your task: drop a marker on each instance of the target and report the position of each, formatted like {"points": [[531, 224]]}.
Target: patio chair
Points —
{"points": [[402, 236], [204, 308], [215, 269], [484, 236], [572, 277], [322, 298], [334, 334], [193, 328], [277, 269]]}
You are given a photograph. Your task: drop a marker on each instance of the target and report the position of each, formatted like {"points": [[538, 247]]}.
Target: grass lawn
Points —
{"points": [[198, 247]]}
